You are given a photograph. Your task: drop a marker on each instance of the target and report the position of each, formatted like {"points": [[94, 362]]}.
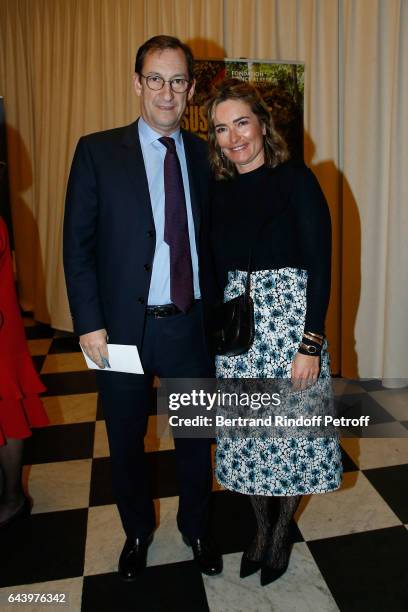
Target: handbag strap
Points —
{"points": [[248, 278]]}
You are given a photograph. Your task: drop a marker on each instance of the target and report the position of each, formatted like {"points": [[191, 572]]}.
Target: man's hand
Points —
{"points": [[305, 371], [94, 345]]}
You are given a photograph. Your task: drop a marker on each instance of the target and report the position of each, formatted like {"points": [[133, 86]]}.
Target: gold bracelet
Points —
{"points": [[313, 337]]}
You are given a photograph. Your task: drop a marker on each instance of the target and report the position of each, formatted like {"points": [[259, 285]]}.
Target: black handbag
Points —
{"points": [[234, 326]]}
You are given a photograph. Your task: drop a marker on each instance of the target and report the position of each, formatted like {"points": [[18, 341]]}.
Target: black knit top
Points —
{"points": [[283, 213]]}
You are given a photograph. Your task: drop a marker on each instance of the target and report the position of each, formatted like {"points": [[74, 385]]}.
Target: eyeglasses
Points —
{"points": [[178, 85]]}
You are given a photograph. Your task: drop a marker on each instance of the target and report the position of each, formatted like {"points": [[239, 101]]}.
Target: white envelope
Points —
{"points": [[122, 358]]}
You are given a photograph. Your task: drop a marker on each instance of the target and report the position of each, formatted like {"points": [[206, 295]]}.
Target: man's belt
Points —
{"points": [[164, 310]]}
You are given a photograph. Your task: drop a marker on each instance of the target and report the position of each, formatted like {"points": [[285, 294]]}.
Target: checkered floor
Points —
{"points": [[350, 550]]}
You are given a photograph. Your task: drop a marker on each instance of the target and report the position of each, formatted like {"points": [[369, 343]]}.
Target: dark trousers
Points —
{"points": [[173, 347]]}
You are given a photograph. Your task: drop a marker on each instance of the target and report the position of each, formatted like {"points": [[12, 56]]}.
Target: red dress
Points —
{"points": [[20, 406]]}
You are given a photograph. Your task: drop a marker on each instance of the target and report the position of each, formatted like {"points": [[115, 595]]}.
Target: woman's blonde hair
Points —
{"points": [[275, 148]]}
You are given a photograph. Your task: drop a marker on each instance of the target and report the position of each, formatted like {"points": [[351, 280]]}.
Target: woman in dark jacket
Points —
{"points": [[276, 207]]}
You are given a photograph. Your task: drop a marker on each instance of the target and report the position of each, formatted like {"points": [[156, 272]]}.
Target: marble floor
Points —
{"points": [[350, 546]]}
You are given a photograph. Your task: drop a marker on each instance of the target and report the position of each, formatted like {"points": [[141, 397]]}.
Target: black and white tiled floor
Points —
{"points": [[351, 546]]}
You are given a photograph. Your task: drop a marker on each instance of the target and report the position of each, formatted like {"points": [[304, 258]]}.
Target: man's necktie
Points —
{"points": [[176, 229]]}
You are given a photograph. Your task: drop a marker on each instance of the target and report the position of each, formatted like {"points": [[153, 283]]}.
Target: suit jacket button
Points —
{"points": [[147, 267], [141, 300], [150, 233]]}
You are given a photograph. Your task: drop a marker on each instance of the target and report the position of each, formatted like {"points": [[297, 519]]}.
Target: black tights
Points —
{"points": [[272, 541], [12, 495]]}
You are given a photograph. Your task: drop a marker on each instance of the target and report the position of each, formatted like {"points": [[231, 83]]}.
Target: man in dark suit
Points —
{"points": [[137, 272]]}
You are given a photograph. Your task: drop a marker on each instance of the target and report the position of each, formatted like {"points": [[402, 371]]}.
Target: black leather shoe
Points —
{"points": [[133, 558], [248, 566], [22, 512], [209, 561], [270, 574]]}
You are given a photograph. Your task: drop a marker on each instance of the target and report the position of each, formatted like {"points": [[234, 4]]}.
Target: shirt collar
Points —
{"points": [[148, 135]]}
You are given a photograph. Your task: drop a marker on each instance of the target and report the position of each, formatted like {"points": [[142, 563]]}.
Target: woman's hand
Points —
{"points": [[305, 371]]}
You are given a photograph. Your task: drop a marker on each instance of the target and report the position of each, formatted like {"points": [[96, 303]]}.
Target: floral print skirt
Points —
{"points": [[275, 465]]}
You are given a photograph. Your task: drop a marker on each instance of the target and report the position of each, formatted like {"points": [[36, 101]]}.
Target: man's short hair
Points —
{"points": [[160, 43]]}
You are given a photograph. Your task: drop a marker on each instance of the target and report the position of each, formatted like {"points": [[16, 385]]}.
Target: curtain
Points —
{"points": [[65, 70], [375, 179]]}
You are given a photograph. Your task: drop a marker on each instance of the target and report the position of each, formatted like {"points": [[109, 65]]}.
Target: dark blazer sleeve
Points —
{"points": [[312, 217], [80, 243]]}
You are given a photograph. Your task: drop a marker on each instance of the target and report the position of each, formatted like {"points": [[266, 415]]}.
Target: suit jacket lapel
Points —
{"points": [[134, 164], [193, 168]]}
